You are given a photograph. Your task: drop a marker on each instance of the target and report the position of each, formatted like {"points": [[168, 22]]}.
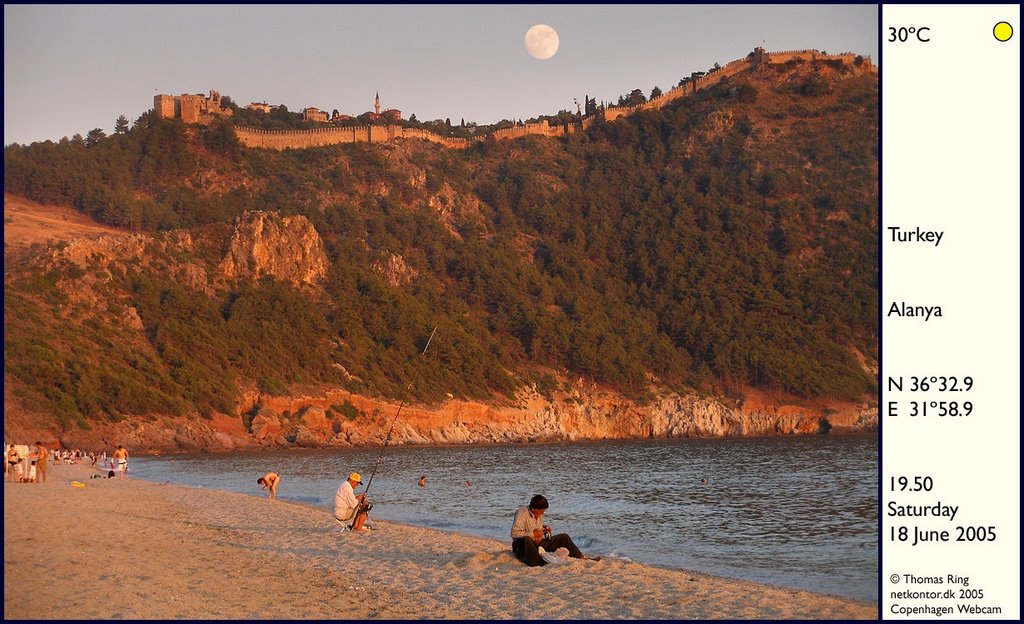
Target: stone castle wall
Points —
{"points": [[811, 55], [318, 137], [300, 139], [730, 69], [539, 128]]}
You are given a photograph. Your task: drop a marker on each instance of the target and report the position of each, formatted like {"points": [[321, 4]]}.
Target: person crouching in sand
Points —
{"points": [[347, 505], [269, 480], [529, 534]]}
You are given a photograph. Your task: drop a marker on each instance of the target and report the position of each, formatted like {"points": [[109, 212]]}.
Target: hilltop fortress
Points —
{"points": [[190, 108], [204, 109]]}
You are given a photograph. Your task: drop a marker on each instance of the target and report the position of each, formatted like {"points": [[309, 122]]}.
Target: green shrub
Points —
{"points": [[347, 410]]}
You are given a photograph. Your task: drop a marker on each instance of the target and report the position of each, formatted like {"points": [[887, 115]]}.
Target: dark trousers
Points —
{"points": [[525, 549]]}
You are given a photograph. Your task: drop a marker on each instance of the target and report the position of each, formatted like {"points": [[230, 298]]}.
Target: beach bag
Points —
{"points": [[558, 557]]}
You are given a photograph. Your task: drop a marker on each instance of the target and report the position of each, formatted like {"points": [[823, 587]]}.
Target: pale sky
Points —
{"points": [[71, 68]]}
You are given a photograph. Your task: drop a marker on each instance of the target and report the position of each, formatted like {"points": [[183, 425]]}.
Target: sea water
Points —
{"points": [[799, 512]]}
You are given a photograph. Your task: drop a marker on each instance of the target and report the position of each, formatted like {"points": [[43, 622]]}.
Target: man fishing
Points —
{"points": [[529, 534], [347, 505]]}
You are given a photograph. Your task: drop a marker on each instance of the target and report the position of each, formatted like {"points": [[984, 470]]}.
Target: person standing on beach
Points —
{"points": [[423, 481], [347, 504], [529, 534], [41, 455], [12, 460], [269, 480], [121, 457]]}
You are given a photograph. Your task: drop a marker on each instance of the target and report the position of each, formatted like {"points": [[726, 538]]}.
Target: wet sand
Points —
{"points": [[134, 549]]}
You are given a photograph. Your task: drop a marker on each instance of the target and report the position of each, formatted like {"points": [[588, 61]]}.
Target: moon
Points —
{"points": [[541, 41]]}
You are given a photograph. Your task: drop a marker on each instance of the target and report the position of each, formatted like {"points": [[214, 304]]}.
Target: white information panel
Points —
{"points": [[950, 297]]}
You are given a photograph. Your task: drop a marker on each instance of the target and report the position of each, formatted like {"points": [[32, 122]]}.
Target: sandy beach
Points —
{"points": [[126, 549]]}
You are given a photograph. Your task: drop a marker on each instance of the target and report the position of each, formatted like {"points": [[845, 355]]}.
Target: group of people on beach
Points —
{"points": [[533, 542], [116, 464], [28, 465], [25, 465]]}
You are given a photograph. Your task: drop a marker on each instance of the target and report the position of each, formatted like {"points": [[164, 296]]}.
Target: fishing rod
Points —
{"points": [[387, 440]]}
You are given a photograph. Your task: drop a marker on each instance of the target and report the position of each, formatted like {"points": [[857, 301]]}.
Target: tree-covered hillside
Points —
{"points": [[727, 240]]}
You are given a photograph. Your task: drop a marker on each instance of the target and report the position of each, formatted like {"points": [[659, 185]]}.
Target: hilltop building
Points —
{"points": [[314, 114], [262, 107], [391, 114], [190, 108]]}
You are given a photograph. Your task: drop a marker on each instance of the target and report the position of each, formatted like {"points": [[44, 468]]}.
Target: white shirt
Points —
{"points": [[525, 523], [345, 501]]}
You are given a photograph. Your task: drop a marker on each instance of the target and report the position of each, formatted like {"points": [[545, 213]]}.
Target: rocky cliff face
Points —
{"points": [[287, 248], [342, 419], [261, 243]]}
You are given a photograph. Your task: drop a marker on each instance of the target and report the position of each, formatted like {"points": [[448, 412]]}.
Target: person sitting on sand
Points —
{"points": [[529, 534], [269, 480], [347, 504]]}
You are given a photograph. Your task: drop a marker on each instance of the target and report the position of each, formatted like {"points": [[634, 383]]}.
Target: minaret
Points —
{"points": [[376, 104]]}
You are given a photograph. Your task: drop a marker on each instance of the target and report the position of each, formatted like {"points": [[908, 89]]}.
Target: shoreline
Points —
{"points": [[257, 450], [585, 413], [139, 549]]}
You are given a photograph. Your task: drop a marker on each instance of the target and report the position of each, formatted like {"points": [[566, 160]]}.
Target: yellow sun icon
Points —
{"points": [[1003, 31]]}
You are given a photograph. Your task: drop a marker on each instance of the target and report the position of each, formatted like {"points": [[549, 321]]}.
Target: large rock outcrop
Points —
{"points": [[393, 268], [287, 248]]}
